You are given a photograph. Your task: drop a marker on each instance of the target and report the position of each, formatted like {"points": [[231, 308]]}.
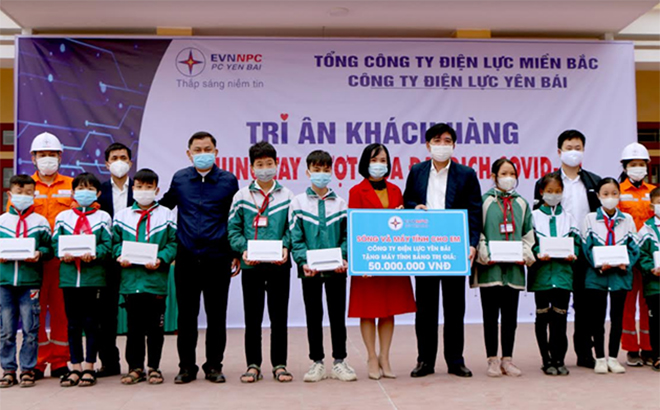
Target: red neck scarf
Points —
{"points": [[609, 224], [22, 221], [144, 214], [82, 224]]}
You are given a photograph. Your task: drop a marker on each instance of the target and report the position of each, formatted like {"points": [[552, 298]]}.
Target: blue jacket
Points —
{"points": [[202, 210], [463, 192]]}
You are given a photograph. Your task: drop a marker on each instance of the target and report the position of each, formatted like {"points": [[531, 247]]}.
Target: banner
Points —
{"points": [[504, 98]]}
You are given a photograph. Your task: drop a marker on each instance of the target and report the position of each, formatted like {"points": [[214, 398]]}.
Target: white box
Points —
{"points": [[557, 247], [17, 249], [264, 251], [76, 245], [324, 260], [614, 255], [656, 259], [506, 251], [139, 253]]}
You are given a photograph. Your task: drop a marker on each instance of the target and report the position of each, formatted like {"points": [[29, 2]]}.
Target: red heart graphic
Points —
{"points": [[284, 117]]}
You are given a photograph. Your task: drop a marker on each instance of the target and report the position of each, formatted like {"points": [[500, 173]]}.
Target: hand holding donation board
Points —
{"points": [[408, 242]]}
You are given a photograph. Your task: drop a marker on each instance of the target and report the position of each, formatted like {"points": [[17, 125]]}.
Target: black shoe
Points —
{"points": [[108, 371], [38, 374], [562, 370], [550, 370], [215, 376], [459, 370], [184, 377], [422, 370], [59, 372], [588, 362], [647, 357]]}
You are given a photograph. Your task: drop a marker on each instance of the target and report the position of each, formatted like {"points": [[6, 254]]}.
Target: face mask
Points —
{"points": [[441, 153], [552, 199], [119, 168], [377, 170], [144, 197], [572, 158], [23, 202], [506, 184], [48, 165], [203, 161], [84, 197], [609, 203], [265, 174], [656, 208], [636, 174], [320, 179]]}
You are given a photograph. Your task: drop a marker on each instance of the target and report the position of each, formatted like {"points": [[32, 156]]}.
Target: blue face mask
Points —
{"points": [[84, 197], [265, 174], [377, 170], [22, 202], [204, 161], [320, 179]]}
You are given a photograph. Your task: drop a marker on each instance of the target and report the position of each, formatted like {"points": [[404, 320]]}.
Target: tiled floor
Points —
{"points": [[637, 389]]}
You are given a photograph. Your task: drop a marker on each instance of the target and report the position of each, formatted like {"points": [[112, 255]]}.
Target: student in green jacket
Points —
{"points": [[551, 280], [145, 286], [81, 278], [507, 217]]}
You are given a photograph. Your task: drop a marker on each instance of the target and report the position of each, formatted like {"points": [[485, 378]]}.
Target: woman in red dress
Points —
{"points": [[378, 298]]}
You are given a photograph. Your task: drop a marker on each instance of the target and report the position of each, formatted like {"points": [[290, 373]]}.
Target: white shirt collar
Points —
{"points": [[112, 181], [565, 177], [445, 169]]}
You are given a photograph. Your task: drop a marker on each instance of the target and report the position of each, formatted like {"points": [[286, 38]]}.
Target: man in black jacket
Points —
{"points": [[440, 183], [579, 198]]}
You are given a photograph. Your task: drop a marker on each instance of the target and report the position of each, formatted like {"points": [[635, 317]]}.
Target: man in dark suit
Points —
{"points": [[116, 194], [440, 183]]}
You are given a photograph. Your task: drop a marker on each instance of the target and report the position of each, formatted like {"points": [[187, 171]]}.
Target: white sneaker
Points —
{"points": [[342, 371], [509, 368], [316, 373], [494, 367], [601, 366], [615, 366]]}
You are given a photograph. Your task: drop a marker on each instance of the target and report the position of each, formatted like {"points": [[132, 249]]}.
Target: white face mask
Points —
{"points": [[48, 165], [441, 153], [656, 208], [552, 199], [119, 168], [572, 158], [143, 197], [636, 174], [609, 203], [506, 184]]}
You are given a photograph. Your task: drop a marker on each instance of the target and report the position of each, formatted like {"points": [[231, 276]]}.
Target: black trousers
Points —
{"points": [[259, 281], [582, 339], [194, 277], [499, 301], [551, 309], [335, 294], [145, 314], [597, 302], [83, 312], [653, 302], [108, 350], [427, 295]]}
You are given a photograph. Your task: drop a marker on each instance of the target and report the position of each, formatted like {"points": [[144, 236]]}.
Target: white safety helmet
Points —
{"points": [[635, 151], [46, 142]]}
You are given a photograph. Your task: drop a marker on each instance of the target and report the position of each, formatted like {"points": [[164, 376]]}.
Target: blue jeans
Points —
{"points": [[15, 302]]}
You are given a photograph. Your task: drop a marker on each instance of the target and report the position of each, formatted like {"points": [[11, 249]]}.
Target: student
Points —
{"points": [[608, 227], [145, 286], [649, 236], [82, 278], [20, 282], [318, 221], [260, 212], [551, 280], [507, 217], [635, 201]]}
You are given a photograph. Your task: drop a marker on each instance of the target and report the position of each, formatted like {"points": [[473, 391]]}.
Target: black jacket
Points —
{"points": [[105, 200], [590, 181]]}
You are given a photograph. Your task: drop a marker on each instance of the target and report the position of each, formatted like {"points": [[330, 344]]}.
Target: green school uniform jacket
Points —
{"points": [[594, 233], [19, 273], [159, 229], [503, 274], [90, 274], [555, 273], [244, 209], [649, 238], [317, 223]]}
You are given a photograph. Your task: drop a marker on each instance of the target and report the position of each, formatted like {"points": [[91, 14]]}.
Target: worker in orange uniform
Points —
{"points": [[52, 196], [635, 200]]}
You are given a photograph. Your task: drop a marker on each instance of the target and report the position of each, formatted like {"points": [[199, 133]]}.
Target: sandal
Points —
{"points": [[155, 376], [27, 378], [8, 380], [67, 381], [254, 377], [88, 381], [135, 376], [277, 375]]}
